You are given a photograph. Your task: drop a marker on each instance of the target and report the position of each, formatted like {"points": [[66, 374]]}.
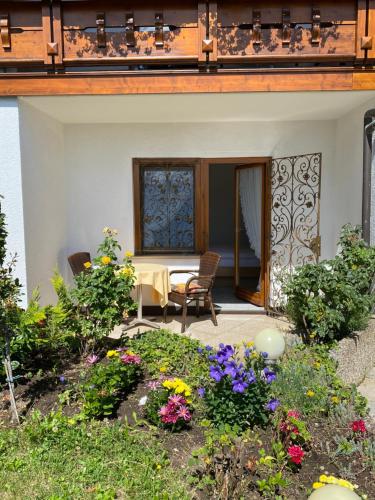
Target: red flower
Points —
{"points": [[296, 454], [294, 414], [358, 426]]}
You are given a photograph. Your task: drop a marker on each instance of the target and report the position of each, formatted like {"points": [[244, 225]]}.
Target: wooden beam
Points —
{"points": [[287, 81]]}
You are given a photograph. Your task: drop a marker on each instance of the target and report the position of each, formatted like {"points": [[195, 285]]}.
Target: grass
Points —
{"points": [[49, 458]]}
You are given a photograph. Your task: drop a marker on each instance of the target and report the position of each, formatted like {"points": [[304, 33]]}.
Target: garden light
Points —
{"points": [[270, 341], [333, 492]]}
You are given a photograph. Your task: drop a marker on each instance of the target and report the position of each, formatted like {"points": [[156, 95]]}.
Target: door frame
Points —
{"points": [[266, 212]]}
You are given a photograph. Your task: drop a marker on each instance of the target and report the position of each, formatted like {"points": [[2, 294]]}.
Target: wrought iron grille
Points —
{"points": [[295, 213], [168, 209]]}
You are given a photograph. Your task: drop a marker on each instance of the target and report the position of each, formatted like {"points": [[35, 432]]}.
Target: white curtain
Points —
{"points": [[251, 206]]}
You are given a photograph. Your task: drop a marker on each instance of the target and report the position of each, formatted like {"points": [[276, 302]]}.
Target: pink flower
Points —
{"points": [[296, 454], [153, 385], [176, 399], [294, 414], [164, 410], [130, 359], [92, 359], [184, 413], [358, 426]]}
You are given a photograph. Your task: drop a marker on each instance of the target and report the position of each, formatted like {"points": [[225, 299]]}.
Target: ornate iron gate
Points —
{"points": [[295, 213]]}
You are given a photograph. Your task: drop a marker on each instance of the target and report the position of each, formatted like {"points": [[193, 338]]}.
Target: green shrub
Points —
{"points": [[106, 382], [168, 353], [102, 294], [238, 391], [307, 382], [332, 299]]}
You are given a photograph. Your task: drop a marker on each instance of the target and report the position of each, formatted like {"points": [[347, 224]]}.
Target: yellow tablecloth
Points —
{"points": [[157, 277]]}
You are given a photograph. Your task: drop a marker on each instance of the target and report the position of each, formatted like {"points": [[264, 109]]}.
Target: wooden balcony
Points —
{"points": [[55, 37]]}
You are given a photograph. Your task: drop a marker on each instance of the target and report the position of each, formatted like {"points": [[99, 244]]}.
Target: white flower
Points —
{"points": [[142, 401], [321, 293]]}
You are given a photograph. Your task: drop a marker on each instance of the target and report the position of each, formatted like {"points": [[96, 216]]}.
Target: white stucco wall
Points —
{"points": [[43, 180], [99, 165], [11, 184], [348, 168]]}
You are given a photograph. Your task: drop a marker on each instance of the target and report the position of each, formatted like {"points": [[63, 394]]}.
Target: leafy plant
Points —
{"points": [[332, 299], [238, 391], [168, 353], [106, 382], [103, 292]]}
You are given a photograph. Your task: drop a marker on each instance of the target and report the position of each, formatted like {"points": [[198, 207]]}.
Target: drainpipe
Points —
{"points": [[369, 129]]}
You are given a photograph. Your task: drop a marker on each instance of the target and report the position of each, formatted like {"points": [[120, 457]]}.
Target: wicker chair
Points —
{"points": [[198, 287], [77, 261]]}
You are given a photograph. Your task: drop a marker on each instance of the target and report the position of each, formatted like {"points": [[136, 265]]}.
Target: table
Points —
{"points": [[157, 276]]}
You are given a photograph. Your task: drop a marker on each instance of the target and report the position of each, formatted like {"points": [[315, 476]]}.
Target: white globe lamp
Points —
{"points": [[272, 342], [333, 492]]}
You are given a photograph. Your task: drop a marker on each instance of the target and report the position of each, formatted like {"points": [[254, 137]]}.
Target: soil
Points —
{"points": [[42, 392]]}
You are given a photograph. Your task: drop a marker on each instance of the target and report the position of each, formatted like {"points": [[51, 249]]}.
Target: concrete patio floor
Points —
{"points": [[231, 329]]}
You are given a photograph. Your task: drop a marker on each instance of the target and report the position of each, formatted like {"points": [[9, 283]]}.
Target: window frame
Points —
{"points": [[199, 203]]}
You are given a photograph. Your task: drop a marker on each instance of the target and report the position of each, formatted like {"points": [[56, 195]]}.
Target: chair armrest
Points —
{"points": [[182, 271]]}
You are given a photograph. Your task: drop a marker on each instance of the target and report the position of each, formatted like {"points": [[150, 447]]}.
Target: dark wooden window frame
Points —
{"points": [[138, 163]]}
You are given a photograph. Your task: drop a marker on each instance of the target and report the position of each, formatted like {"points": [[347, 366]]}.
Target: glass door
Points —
{"points": [[250, 232]]}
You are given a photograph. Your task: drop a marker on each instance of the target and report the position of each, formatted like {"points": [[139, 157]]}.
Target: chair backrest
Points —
{"points": [[77, 261], [209, 262]]}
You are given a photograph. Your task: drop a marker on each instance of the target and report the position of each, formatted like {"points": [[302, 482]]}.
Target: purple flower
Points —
{"points": [[200, 350], [264, 354], [62, 379], [201, 392], [216, 373], [224, 354], [269, 375], [273, 404], [250, 376], [92, 359], [211, 357], [247, 352], [231, 369], [121, 349], [239, 386]]}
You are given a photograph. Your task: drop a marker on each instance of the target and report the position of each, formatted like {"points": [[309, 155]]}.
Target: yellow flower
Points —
{"points": [[163, 369], [128, 254], [335, 399], [254, 355], [127, 271], [316, 364], [112, 354], [317, 485], [105, 260], [249, 344], [310, 393], [158, 466], [87, 265], [345, 484]]}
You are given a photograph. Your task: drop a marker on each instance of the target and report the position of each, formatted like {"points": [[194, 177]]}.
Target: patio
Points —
{"points": [[231, 329]]}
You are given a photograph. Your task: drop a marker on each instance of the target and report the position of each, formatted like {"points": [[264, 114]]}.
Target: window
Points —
{"points": [[166, 195]]}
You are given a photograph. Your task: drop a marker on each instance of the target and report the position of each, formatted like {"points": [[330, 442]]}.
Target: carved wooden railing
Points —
{"points": [[62, 36]]}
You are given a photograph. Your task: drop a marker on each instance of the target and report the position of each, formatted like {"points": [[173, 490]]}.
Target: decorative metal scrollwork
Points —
{"points": [[295, 212], [168, 201]]}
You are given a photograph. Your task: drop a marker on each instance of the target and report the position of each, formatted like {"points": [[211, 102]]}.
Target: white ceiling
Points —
{"points": [[175, 108]]}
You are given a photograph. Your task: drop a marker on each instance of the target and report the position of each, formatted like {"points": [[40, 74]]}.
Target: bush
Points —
{"points": [[107, 381], [332, 299], [102, 294], [164, 353], [239, 392], [307, 381]]}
